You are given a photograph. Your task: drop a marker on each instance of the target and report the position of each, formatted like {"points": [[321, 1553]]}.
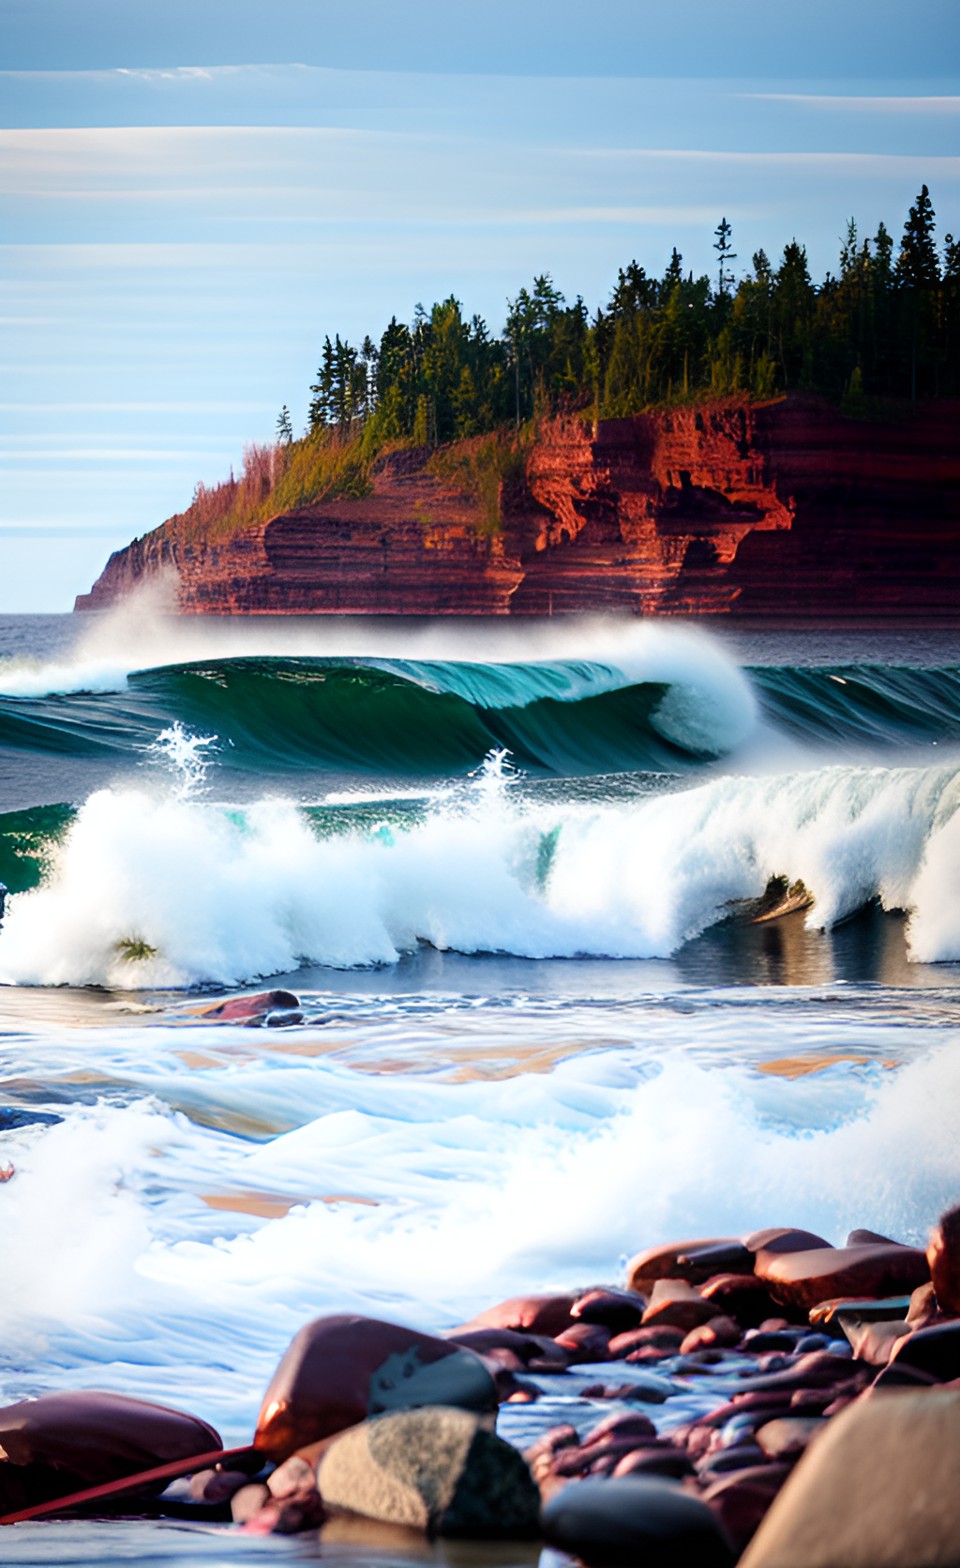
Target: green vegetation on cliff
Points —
{"points": [[885, 326]]}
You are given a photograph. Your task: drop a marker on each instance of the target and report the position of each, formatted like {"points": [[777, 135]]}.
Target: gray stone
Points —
{"points": [[437, 1469]]}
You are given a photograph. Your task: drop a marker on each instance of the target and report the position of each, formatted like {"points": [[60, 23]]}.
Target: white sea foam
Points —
{"points": [[469, 1191], [148, 890]]}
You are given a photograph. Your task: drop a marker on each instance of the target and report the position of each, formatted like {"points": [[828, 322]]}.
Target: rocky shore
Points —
{"points": [[772, 1400]]}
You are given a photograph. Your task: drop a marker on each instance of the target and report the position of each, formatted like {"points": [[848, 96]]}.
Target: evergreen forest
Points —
{"points": [[885, 325], [881, 332]]}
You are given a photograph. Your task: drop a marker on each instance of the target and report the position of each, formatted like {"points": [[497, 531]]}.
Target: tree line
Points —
{"points": [[885, 324]]}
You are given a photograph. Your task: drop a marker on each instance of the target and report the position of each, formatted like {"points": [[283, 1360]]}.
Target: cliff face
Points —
{"points": [[783, 508]]}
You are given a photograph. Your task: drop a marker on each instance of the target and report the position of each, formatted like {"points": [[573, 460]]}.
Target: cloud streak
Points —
{"points": [[893, 103]]}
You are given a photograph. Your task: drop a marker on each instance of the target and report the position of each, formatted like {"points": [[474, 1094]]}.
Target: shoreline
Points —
{"points": [[710, 1377]]}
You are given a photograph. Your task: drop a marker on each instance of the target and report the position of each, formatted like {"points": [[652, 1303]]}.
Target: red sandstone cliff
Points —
{"points": [[780, 508]]}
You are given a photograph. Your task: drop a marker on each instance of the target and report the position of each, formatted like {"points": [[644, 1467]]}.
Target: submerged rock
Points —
{"points": [[263, 1007]]}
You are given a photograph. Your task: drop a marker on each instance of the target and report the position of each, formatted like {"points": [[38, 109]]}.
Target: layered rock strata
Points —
{"points": [[784, 508]]}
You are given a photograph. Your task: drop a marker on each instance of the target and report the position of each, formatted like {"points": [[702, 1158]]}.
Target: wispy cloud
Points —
{"points": [[891, 104], [180, 73]]}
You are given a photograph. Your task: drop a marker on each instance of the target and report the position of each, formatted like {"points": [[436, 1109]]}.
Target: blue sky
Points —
{"points": [[191, 200]]}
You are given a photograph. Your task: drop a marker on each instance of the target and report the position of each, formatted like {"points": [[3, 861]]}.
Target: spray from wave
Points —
{"points": [[148, 889], [423, 1200]]}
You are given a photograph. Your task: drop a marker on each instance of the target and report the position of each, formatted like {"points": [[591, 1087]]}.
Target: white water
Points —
{"points": [[424, 1196], [151, 889]]}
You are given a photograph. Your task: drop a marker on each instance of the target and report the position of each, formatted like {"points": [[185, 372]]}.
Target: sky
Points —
{"points": [[193, 195]]}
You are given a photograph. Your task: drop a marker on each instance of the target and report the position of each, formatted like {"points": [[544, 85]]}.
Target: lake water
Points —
{"points": [[513, 872]]}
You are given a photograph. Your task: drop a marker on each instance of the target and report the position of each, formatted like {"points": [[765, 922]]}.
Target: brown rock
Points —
{"points": [[216, 1486], [604, 1457], [740, 1296], [536, 1351], [875, 1343], [664, 1460], [585, 1342], [924, 1311], [878, 1489], [786, 1437], [570, 1462], [933, 1350], [630, 1424], [663, 1341], [783, 1238], [657, 1263], [719, 1332], [551, 1442], [816, 1369], [675, 1304], [616, 1310], [292, 1476], [802, 1279], [723, 1257], [251, 1009], [288, 1515], [741, 1499], [339, 1369], [548, 1315], [63, 1443], [247, 1502], [943, 1257]]}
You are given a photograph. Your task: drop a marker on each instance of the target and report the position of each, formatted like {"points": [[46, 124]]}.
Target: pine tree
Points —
{"points": [[284, 426], [917, 274], [917, 264], [321, 408], [724, 245], [673, 276]]}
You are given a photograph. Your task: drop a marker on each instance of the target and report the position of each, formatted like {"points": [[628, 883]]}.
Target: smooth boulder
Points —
{"points": [[663, 1262], [803, 1279], [340, 1369], [933, 1350], [63, 1443], [878, 1489], [437, 1470], [635, 1522]]}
